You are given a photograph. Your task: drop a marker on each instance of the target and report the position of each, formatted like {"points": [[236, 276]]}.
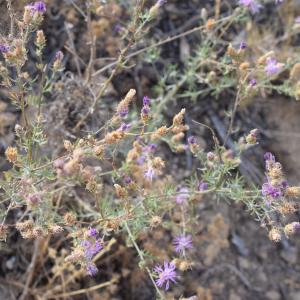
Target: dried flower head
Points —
{"points": [[11, 154], [178, 119], [121, 192], [292, 191], [69, 218], [155, 221], [291, 228], [3, 232], [275, 235]]}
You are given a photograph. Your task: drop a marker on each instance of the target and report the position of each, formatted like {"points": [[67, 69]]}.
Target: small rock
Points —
{"points": [[290, 255], [234, 296], [244, 263], [10, 263], [261, 276], [273, 295], [295, 296]]}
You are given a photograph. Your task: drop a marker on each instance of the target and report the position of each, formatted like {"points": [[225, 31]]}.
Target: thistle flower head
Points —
{"points": [[91, 248], [160, 3], [59, 55], [192, 140], [146, 101], [183, 195], [203, 186], [124, 112], [149, 173], [271, 191], [4, 48], [251, 4], [252, 82], [93, 232], [91, 269], [272, 67], [182, 243], [124, 127], [166, 273], [243, 45], [38, 6]]}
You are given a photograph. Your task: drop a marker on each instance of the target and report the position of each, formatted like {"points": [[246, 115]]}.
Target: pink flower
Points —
{"points": [[149, 174], [182, 243], [166, 273], [251, 4], [183, 195], [272, 66]]}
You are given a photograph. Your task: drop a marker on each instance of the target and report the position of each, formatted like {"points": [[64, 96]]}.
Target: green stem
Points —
{"points": [[141, 255]]}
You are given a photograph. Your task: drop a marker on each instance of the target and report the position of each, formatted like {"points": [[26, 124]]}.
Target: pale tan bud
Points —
{"points": [[40, 39], [178, 119], [11, 154], [69, 218], [68, 145], [120, 191], [275, 235]]}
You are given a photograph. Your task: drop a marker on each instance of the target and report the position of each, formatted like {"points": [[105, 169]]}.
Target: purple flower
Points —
{"points": [[296, 225], [93, 232], [146, 101], [166, 273], [269, 156], [278, 1], [149, 174], [182, 196], [182, 243], [40, 7], [124, 127], [127, 180], [272, 66], [271, 191], [91, 269], [251, 4], [160, 3], [150, 148], [117, 28], [252, 82], [297, 20], [145, 110], [4, 48], [91, 249], [141, 160], [124, 112], [203, 186], [243, 45], [34, 198], [59, 55], [192, 140]]}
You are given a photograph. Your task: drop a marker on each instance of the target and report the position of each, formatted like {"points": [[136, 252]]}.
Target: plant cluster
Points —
{"points": [[120, 166]]}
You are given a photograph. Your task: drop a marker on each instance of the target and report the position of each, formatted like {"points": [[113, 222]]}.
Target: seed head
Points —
{"points": [[178, 119], [275, 235], [11, 154], [69, 218], [155, 221]]}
